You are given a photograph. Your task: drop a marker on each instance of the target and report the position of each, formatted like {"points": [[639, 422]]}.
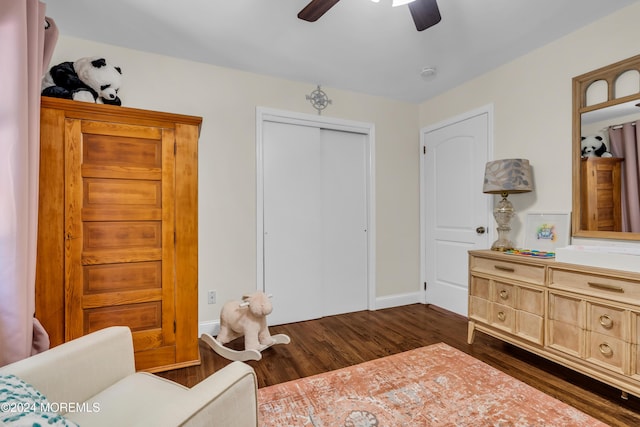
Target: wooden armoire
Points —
{"points": [[118, 227], [601, 194]]}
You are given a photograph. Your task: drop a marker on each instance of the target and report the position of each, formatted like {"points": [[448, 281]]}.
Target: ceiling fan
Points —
{"points": [[425, 13]]}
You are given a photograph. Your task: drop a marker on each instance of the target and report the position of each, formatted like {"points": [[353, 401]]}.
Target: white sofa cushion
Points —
{"points": [[115, 407]]}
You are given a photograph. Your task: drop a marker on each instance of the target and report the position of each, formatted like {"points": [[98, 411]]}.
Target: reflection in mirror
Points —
{"points": [[609, 171], [606, 159]]}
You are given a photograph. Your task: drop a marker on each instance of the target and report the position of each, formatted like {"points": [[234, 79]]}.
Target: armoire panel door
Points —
{"points": [[119, 251]]}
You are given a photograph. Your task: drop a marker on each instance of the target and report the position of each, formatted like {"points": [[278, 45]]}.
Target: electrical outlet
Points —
{"points": [[211, 297]]}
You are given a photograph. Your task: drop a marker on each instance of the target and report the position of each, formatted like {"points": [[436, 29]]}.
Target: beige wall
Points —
{"points": [[227, 99], [531, 97], [532, 101]]}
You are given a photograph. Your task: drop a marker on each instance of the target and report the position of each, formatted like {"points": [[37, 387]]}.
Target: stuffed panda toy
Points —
{"points": [[594, 146], [87, 79]]}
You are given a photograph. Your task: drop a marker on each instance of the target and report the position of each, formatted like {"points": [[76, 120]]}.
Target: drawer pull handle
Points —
{"points": [[606, 321], [501, 268], [606, 287], [504, 294], [501, 316], [606, 350]]}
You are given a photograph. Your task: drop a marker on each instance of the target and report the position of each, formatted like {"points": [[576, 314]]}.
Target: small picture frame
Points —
{"points": [[547, 231]]}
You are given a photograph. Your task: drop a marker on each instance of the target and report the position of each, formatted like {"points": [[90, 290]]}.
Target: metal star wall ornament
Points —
{"points": [[319, 100]]}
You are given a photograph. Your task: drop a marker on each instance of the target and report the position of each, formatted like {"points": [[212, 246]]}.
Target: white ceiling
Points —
{"points": [[357, 45]]}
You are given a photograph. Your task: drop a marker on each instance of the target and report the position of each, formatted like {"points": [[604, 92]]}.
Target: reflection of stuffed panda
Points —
{"points": [[87, 79], [594, 146]]}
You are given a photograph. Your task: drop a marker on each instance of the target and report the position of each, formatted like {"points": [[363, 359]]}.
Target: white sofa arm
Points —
{"points": [[232, 398], [78, 369], [228, 398]]}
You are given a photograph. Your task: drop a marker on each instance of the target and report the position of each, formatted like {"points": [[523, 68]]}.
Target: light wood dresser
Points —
{"points": [[585, 318]]}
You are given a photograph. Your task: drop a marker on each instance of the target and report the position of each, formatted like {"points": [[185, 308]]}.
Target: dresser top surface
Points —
{"points": [[502, 256], [552, 263]]}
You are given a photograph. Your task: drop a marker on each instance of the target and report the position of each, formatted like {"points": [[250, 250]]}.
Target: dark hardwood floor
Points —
{"points": [[338, 341]]}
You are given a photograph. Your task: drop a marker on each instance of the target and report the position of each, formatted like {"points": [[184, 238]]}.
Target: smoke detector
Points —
{"points": [[429, 73]]}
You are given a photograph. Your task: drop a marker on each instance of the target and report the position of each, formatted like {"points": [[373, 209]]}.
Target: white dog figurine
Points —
{"points": [[249, 318]]}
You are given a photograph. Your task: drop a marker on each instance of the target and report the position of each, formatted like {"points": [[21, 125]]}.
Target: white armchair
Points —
{"points": [[96, 374]]}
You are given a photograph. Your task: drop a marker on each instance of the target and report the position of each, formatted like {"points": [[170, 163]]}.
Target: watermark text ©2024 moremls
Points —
{"points": [[60, 407]]}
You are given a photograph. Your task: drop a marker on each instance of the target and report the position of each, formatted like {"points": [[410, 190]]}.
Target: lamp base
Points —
{"points": [[503, 213], [502, 245]]}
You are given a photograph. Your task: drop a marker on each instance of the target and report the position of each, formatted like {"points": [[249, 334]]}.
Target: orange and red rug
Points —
{"points": [[430, 386]]}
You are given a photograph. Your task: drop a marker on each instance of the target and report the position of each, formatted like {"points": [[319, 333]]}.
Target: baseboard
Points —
{"points": [[212, 327], [397, 300]]}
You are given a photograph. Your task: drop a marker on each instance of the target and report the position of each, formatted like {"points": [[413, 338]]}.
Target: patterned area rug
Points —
{"points": [[430, 386]]}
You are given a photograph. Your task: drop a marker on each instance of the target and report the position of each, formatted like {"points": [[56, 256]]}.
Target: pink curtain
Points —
{"points": [[22, 54], [624, 143]]}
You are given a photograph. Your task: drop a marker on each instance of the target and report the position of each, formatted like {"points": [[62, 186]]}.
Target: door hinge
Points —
{"points": [[175, 148], [425, 286], [174, 327], [424, 149]]}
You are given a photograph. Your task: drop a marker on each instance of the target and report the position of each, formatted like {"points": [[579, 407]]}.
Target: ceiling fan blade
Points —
{"points": [[425, 13], [315, 9]]}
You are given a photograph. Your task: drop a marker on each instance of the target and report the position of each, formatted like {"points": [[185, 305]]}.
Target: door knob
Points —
{"points": [[480, 230]]}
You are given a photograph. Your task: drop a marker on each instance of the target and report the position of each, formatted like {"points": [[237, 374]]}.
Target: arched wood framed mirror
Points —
{"points": [[606, 107]]}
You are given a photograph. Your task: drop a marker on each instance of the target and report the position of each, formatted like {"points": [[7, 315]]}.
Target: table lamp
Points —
{"points": [[505, 177]]}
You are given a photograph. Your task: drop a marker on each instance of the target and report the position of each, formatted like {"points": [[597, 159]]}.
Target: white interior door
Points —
{"points": [[454, 206], [315, 221]]}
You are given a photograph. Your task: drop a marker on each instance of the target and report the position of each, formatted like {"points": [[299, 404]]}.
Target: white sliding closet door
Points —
{"points": [[344, 218], [315, 243], [292, 221]]}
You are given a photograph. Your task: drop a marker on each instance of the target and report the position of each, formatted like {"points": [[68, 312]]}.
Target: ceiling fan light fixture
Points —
{"points": [[400, 2], [425, 13], [396, 3]]}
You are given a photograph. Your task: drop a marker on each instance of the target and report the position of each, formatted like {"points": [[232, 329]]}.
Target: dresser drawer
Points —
{"points": [[596, 285], [565, 337], [479, 309], [635, 330], [504, 293], [566, 319], [606, 351], [502, 317], [531, 300], [635, 360], [509, 270], [607, 320], [479, 287], [530, 327], [566, 309]]}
